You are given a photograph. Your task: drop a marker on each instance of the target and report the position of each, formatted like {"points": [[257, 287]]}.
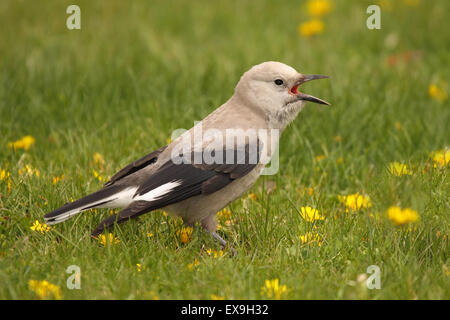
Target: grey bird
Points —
{"points": [[197, 175]]}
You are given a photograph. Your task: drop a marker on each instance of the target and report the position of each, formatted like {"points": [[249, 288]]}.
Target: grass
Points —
{"points": [[135, 72]]}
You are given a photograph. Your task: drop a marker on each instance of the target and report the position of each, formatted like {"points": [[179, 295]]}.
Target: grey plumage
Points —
{"points": [[196, 191]]}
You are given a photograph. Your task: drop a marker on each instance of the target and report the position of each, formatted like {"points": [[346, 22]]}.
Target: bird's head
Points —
{"points": [[274, 88]]}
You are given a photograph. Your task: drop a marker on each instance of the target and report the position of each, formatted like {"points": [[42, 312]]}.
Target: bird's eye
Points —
{"points": [[278, 82]]}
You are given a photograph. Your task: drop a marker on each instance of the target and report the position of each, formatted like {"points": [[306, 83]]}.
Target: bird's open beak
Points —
{"points": [[304, 96]]}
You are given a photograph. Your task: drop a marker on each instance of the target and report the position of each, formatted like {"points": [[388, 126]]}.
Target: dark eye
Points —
{"points": [[278, 82]]}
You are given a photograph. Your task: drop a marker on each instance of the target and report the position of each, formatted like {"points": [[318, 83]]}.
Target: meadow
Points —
{"points": [[361, 183]]}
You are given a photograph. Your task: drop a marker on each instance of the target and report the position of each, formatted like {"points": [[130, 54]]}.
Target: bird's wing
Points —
{"points": [[173, 183], [136, 166]]}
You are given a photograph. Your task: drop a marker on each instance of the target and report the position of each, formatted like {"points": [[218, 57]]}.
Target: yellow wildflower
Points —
{"points": [[311, 28], [139, 267], [224, 214], [319, 8], [310, 214], [24, 143], [184, 234], [214, 253], [193, 265], [58, 179], [399, 169], [214, 297], [437, 93], [3, 174], [98, 176], [339, 160], [110, 239], [38, 227], [311, 238], [319, 158], [355, 201], [150, 234], [402, 216], [29, 171], [98, 159], [441, 158], [45, 289], [273, 290], [253, 196]]}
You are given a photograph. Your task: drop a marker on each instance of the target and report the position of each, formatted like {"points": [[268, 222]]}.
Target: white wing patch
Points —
{"points": [[158, 192]]}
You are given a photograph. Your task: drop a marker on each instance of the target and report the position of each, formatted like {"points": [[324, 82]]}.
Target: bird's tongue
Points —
{"points": [[294, 89]]}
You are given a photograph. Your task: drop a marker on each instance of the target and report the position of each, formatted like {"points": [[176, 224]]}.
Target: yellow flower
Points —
{"points": [[319, 158], [273, 290], [214, 253], [437, 93], [185, 234], [98, 159], [224, 214], [139, 267], [355, 201], [311, 238], [29, 171], [441, 158], [38, 227], [24, 143], [319, 8], [111, 239], [401, 217], [58, 179], [311, 28], [3, 174], [98, 176], [150, 234], [253, 196], [214, 297], [193, 265], [399, 169], [310, 214], [45, 289]]}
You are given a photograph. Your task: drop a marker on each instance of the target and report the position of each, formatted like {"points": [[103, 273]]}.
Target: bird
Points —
{"points": [[209, 166]]}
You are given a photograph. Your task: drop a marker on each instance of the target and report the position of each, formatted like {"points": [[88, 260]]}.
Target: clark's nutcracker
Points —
{"points": [[213, 163]]}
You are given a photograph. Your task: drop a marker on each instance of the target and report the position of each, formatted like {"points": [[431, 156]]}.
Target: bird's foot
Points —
{"points": [[223, 243]]}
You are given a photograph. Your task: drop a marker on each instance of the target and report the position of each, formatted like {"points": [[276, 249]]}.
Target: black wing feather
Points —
{"points": [[195, 179], [136, 166]]}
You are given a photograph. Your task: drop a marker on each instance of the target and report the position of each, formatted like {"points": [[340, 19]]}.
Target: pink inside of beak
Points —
{"points": [[294, 89]]}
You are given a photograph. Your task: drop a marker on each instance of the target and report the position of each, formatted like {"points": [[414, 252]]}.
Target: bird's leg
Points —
{"points": [[209, 225]]}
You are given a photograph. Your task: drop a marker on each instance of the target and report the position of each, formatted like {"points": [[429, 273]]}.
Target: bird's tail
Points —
{"points": [[94, 200]]}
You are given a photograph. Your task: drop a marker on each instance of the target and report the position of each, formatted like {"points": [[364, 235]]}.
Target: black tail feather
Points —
{"points": [[88, 202]]}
